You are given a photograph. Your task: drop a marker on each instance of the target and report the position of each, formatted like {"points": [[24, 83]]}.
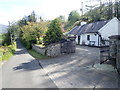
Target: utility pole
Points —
{"points": [[110, 10], [10, 32], [81, 8], [100, 7], [116, 8]]}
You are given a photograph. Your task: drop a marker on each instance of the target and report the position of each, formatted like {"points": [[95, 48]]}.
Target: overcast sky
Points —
{"points": [[13, 10]]}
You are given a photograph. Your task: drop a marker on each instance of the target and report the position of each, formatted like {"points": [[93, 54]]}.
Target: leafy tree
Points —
{"points": [[22, 22], [6, 39], [32, 18], [54, 33], [11, 35], [40, 29], [31, 33], [73, 17], [117, 9], [61, 19], [28, 36]]}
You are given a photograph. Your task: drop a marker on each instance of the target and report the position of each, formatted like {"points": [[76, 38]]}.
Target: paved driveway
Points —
{"points": [[81, 70]]}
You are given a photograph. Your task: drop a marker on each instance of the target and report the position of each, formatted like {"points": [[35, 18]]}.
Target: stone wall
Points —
{"points": [[53, 50], [115, 49], [56, 49], [118, 55], [39, 49]]}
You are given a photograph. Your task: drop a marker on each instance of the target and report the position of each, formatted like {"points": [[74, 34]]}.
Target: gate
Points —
{"points": [[111, 53], [104, 51], [68, 45], [104, 54]]}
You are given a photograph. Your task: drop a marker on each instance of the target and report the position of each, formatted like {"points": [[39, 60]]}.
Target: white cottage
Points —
{"points": [[94, 33]]}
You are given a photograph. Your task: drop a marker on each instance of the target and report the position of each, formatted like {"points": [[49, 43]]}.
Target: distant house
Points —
{"points": [[94, 33]]}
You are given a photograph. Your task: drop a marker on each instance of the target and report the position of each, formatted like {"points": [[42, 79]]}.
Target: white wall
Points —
{"points": [[76, 39], [111, 28], [93, 37]]}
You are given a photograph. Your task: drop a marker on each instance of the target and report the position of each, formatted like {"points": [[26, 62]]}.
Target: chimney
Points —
{"points": [[82, 23]]}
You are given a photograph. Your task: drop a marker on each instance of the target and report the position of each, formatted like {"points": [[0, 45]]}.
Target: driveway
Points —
{"points": [[24, 71], [81, 70]]}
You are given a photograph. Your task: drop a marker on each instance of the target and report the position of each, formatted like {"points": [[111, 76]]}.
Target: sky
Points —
{"points": [[13, 10]]}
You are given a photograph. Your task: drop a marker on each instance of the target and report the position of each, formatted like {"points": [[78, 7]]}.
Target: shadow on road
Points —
{"points": [[32, 65]]}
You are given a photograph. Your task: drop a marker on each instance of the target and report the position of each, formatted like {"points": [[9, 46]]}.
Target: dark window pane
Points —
{"points": [[88, 37]]}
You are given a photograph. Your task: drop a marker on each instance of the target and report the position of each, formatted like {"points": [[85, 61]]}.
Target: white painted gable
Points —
{"points": [[111, 28]]}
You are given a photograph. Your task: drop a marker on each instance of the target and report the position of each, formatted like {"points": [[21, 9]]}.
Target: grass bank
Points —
{"points": [[7, 51], [37, 55]]}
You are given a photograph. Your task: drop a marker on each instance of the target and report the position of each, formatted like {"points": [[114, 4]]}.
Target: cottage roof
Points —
{"points": [[75, 30], [88, 28]]}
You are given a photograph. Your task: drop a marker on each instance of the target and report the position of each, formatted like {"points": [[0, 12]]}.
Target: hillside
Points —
{"points": [[3, 28]]}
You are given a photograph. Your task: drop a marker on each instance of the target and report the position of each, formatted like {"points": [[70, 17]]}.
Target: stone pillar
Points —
{"points": [[118, 55], [115, 49]]}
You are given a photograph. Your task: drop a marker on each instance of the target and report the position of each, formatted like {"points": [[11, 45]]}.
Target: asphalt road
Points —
{"points": [[23, 71]]}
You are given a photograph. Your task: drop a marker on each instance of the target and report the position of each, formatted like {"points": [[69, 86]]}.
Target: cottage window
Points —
{"points": [[88, 37]]}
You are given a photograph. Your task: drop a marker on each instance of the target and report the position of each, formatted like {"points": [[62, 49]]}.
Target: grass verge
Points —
{"points": [[37, 55]]}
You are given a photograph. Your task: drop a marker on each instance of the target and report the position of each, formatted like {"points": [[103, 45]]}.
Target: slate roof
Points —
{"points": [[75, 30], [88, 28]]}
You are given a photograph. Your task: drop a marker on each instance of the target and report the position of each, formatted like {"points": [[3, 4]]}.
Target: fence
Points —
{"points": [[104, 51]]}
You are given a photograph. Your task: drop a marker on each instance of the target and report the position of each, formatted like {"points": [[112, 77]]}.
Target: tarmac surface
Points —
{"points": [[24, 71], [81, 70], [75, 70]]}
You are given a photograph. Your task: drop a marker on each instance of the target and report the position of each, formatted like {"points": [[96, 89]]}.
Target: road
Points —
{"points": [[23, 71]]}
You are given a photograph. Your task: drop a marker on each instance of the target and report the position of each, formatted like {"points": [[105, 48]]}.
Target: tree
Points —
{"points": [[54, 33], [73, 17], [61, 19], [117, 9], [28, 35], [32, 33], [22, 22], [32, 17], [40, 29], [11, 35], [6, 39]]}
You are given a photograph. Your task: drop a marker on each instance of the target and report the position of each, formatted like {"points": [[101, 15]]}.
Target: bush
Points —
{"points": [[54, 33], [6, 39], [28, 43], [7, 51]]}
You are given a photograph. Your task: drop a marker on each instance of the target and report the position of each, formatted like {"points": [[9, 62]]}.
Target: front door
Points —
{"points": [[78, 40]]}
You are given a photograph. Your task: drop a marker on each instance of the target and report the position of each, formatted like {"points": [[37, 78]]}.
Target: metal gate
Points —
{"points": [[104, 51]]}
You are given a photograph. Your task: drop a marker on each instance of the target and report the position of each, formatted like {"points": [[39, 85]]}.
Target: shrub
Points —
{"points": [[6, 39], [7, 51], [54, 33]]}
